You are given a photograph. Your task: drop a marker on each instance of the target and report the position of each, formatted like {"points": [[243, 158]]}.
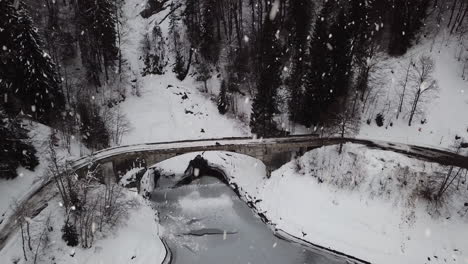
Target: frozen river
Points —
{"points": [[205, 222]]}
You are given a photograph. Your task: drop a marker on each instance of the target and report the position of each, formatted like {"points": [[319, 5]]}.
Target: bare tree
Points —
{"points": [[404, 85], [20, 212], [344, 124], [117, 124], [58, 173], [424, 84], [43, 240], [447, 181]]}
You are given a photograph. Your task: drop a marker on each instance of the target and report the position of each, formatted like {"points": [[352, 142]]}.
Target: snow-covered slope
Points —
{"points": [[168, 109], [14, 191], [134, 241], [443, 110]]}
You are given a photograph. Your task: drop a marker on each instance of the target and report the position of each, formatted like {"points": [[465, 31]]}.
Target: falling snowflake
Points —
{"points": [[427, 232], [274, 9]]}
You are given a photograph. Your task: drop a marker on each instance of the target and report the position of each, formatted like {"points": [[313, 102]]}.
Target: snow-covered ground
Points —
{"points": [[14, 191], [375, 215], [364, 203], [443, 109], [135, 240], [168, 109]]}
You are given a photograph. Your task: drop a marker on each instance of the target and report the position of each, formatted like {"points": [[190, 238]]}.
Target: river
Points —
{"points": [[205, 222]]}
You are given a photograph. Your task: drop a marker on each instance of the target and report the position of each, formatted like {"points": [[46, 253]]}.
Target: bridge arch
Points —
{"points": [[115, 166]]}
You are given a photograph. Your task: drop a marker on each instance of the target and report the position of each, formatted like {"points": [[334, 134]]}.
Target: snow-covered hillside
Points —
{"points": [[442, 116], [135, 241], [168, 109], [13, 192]]}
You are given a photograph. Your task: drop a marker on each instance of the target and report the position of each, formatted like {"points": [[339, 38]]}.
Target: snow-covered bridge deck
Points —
{"points": [[274, 152]]}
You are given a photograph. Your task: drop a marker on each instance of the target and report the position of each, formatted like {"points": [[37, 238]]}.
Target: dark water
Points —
{"points": [[205, 222]]}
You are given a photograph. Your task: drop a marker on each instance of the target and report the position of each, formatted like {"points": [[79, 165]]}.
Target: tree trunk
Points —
{"points": [[188, 64], [404, 90], [451, 13], [22, 240], [413, 108], [29, 235]]}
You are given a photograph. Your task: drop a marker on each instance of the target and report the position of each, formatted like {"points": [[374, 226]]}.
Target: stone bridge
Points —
{"points": [[273, 152]]}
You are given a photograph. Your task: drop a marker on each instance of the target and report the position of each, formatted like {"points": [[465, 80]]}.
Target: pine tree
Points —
{"points": [[15, 148], [29, 81], [359, 27], [154, 52], [300, 17], [264, 104], [222, 98], [97, 37], [192, 21], [92, 128], [179, 66], [70, 235], [318, 80], [104, 29], [209, 43], [341, 56], [407, 19]]}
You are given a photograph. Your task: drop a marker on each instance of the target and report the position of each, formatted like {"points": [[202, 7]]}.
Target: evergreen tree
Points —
{"points": [[364, 26], [318, 82], [104, 28], [192, 21], [70, 235], [92, 128], [407, 19], [359, 27], [341, 57], [97, 37], [179, 66], [209, 43], [28, 78], [15, 148], [222, 98], [154, 52], [300, 17], [264, 104], [204, 74]]}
